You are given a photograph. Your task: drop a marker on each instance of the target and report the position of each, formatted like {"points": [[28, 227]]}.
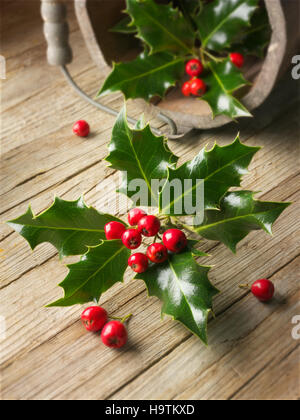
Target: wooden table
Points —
{"points": [[47, 354]]}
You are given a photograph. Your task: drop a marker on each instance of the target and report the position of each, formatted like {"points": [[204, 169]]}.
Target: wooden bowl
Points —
{"points": [[96, 17]]}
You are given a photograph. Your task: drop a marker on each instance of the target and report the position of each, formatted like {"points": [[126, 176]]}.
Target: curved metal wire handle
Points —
{"points": [[59, 54], [173, 127]]}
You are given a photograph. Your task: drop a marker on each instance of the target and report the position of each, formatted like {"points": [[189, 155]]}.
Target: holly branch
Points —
{"points": [[204, 38], [170, 267]]}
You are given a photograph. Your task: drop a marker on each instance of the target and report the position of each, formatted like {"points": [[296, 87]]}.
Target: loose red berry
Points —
{"points": [[132, 238], [135, 215], [81, 128], [263, 289], [194, 68], [94, 318], [198, 87], [138, 262], [186, 89], [157, 253], [237, 59], [175, 240], [114, 230], [149, 226], [114, 335]]}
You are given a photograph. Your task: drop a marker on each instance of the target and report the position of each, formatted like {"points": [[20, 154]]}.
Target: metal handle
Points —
{"points": [[56, 32], [59, 53]]}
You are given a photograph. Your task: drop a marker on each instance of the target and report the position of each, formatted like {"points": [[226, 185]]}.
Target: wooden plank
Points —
{"points": [[278, 381]]}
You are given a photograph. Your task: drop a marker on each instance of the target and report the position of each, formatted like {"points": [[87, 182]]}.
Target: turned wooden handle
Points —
{"points": [[56, 32]]}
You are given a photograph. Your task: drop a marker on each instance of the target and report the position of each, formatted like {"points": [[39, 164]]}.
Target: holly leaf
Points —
{"points": [[192, 243], [190, 9], [222, 81], [190, 6], [145, 77], [70, 226], [239, 215], [145, 158], [221, 20], [217, 169], [99, 269], [161, 27], [124, 26], [184, 289], [254, 40]]}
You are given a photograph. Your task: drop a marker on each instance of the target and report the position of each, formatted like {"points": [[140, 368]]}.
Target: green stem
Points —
{"points": [[186, 227], [212, 57], [121, 319], [203, 61], [244, 286]]}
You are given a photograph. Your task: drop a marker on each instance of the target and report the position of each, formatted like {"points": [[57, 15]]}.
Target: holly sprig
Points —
{"points": [[174, 33], [181, 282]]}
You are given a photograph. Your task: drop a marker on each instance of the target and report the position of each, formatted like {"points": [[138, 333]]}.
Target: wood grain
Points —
{"points": [[47, 354]]}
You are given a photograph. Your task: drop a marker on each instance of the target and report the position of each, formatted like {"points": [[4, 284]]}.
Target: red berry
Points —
{"points": [[138, 262], [114, 230], [94, 318], [81, 128], [135, 215], [194, 67], [149, 226], [198, 87], [157, 253], [237, 59], [132, 238], [175, 240], [263, 289], [186, 89], [114, 335]]}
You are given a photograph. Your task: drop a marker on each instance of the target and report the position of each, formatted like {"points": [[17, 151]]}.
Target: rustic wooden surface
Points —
{"points": [[46, 353]]}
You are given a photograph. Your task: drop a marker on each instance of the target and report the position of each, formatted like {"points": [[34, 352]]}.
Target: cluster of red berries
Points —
{"points": [[194, 86], [174, 240], [114, 333], [194, 68]]}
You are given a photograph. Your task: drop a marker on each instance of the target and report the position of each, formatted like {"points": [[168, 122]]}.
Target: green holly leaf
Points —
{"points": [[190, 9], [145, 77], [124, 26], [161, 27], [99, 269], [217, 169], [221, 20], [255, 39], [192, 243], [240, 214], [184, 289], [70, 226], [223, 80], [190, 6], [143, 156]]}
